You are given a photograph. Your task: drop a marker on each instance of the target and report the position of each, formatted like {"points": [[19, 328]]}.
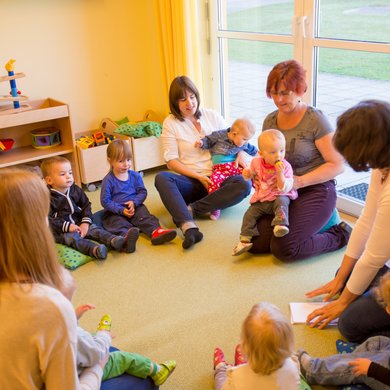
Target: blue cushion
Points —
{"points": [[127, 382], [334, 220]]}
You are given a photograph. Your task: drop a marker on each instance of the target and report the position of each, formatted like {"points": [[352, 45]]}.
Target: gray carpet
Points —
{"points": [[167, 303]]}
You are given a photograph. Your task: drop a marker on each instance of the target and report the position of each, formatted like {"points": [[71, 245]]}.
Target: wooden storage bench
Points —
{"points": [[147, 152], [93, 163]]}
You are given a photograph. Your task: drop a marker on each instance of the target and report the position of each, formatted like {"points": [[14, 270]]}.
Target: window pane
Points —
{"points": [[248, 64], [264, 16], [360, 20], [341, 83]]}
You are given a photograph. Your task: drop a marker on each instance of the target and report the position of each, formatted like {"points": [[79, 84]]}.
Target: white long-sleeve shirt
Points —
{"points": [[370, 238], [178, 140]]}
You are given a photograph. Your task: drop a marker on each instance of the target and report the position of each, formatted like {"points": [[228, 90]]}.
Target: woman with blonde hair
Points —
{"points": [[38, 337], [267, 343]]}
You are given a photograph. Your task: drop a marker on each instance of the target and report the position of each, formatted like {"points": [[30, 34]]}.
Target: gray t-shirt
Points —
{"points": [[301, 151]]}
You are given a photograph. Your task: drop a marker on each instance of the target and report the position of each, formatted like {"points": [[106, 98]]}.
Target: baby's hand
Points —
{"points": [[127, 213], [198, 143], [360, 366], [74, 228], [246, 173], [279, 166], [84, 227], [80, 310]]}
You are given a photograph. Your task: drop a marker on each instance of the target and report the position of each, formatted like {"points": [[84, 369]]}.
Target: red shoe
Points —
{"points": [[219, 357], [160, 236], [239, 358]]}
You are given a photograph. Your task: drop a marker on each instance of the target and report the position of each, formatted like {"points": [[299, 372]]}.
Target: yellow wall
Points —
{"points": [[99, 56]]}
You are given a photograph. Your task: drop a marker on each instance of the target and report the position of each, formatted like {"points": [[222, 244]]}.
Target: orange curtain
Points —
{"points": [[178, 33]]}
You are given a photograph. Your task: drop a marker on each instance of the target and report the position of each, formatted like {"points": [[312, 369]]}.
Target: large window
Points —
{"points": [[343, 45]]}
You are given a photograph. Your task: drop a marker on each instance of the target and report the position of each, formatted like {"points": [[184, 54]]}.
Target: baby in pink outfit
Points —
{"points": [[273, 189]]}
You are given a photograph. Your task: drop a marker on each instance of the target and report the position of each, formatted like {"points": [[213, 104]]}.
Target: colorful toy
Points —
{"points": [[279, 163], [109, 137], [9, 66], [85, 142], [15, 94], [45, 138], [6, 144], [99, 138]]}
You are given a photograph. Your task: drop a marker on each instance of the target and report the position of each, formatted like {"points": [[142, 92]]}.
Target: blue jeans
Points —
{"points": [[85, 245], [308, 214], [364, 317], [120, 224], [334, 370], [178, 191]]}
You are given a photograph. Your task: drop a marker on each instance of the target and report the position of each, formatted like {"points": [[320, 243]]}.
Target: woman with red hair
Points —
{"points": [[315, 163]]}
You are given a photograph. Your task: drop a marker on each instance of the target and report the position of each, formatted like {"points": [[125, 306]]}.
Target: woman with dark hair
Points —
{"points": [[315, 163], [187, 184], [363, 138]]}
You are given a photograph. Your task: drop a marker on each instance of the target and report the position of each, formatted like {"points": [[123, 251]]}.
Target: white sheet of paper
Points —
{"points": [[300, 310]]}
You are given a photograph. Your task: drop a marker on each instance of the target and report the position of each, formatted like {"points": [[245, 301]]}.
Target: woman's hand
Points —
{"points": [[205, 181], [331, 289], [297, 182], [322, 316], [361, 366]]}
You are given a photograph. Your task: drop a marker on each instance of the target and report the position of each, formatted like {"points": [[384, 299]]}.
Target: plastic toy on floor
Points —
{"points": [[105, 323]]}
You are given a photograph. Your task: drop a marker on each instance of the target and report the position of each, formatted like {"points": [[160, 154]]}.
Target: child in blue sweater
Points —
{"points": [[122, 195]]}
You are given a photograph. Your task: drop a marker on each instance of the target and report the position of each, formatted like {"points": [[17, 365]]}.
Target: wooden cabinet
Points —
{"points": [[18, 126]]}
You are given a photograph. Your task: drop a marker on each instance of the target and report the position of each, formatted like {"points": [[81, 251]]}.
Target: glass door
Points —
{"points": [[343, 45]]}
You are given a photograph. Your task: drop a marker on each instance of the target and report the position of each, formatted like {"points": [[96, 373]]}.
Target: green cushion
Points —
{"points": [[71, 258], [140, 129]]}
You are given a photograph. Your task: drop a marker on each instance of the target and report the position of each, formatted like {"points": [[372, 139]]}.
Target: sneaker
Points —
{"points": [[105, 323], [160, 236], [241, 248], [219, 358], [162, 375], [99, 252], [117, 243], [214, 215], [280, 230], [131, 240], [238, 356]]}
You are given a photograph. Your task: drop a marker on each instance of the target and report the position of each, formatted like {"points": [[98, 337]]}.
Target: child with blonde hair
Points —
{"points": [[70, 215], [224, 146], [267, 344], [368, 363], [122, 195], [273, 179]]}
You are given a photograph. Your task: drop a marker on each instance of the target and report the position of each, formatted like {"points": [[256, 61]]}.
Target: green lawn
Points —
{"points": [[335, 22]]}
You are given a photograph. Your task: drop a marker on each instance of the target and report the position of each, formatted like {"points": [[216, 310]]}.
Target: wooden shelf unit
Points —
{"points": [[44, 113]]}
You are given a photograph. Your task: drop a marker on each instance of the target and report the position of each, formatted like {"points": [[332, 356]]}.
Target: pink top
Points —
{"points": [[267, 190]]}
